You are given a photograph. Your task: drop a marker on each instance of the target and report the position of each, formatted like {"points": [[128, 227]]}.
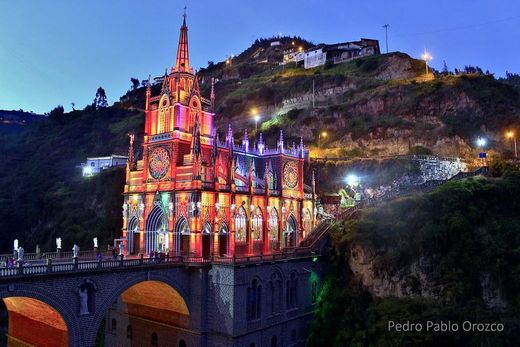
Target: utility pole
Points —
{"points": [[386, 35]]}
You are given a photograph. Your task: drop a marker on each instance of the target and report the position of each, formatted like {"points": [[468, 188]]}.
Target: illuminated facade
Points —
{"points": [[195, 195]]}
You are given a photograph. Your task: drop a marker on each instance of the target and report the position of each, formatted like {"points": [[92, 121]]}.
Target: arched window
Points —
{"points": [[129, 332], [132, 228], [241, 224], [292, 292], [290, 232], [257, 224], [154, 341], [254, 301], [182, 343], [274, 341], [276, 293], [182, 226], [273, 224], [156, 230], [113, 326]]}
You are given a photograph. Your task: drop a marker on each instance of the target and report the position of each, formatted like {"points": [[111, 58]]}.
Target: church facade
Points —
{"points": [[193, 194]]}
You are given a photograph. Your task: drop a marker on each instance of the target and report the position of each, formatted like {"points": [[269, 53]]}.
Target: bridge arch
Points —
{"points": [[44, 306], [163, 292]]}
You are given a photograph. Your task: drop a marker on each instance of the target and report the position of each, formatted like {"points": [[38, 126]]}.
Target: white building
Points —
{"points": [[97, 164], [335, 53], [314, 57]]}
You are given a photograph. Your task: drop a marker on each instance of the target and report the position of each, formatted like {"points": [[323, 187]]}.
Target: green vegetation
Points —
{"points": [[42, 193], [463, 231]]}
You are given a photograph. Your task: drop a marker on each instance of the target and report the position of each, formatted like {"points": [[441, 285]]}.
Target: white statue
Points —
{"points": [[95, 242], [170, 207], [83, 301], [75, 251], [121, 248], [217, 206], [58, 242], [141, 208], [125, 210], [20, 253], [15, 244]]}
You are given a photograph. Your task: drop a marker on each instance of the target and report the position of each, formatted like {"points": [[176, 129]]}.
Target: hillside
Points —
{"points": [[450, 255], [369, 107], [372, 106]]}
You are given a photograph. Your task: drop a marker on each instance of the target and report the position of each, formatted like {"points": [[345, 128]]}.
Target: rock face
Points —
{"points": [[415, 280]]}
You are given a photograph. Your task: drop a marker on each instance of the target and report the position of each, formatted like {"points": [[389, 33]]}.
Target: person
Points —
{"points": [[100, 256], [114, 253]]}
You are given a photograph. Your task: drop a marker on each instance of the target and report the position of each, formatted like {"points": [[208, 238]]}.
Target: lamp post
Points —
{"points": [[511, 136], [322, 134], [256, 117], [426, 57], [481, 142]]}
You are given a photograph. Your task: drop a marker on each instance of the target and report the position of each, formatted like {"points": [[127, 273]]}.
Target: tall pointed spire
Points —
{"points": [[165, 89], [182, 64]]}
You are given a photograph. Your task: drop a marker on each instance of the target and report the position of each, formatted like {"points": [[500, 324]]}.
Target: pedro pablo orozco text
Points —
{"points": [[444, 326]]}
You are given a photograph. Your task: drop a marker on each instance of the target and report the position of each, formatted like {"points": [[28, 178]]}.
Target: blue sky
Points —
{"points": [[59, 51]]}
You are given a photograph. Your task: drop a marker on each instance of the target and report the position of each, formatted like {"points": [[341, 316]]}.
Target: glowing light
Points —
{"points": [[257, 118], [324, 134], [481, 142], [315, 259], [300, 49], [352, 180], [426, 56], [510, 134], [254, 111], [87, 171]]}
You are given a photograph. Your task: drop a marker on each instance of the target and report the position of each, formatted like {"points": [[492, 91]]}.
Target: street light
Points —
{"points": [[481, 142], [322, 134], [426, 57], [511, 136], [352, 180], [256, 117]]}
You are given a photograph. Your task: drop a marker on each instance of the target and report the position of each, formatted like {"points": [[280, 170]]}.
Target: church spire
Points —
{"points": [[182, 64], [165, 89]]}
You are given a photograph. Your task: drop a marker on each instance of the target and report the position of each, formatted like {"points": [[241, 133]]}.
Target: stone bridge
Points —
{"points": [[215, 294]]}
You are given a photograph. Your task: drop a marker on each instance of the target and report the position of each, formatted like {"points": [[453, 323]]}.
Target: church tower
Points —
{"points": [[192, 195]]}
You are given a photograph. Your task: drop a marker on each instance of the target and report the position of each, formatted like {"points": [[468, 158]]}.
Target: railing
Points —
{"points": [[67, 255], [28, 268]]}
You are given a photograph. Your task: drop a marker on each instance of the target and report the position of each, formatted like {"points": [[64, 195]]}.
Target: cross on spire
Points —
{"points": [[182, 63]]}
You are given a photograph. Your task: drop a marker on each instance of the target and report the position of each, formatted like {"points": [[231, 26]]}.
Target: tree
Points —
{"points": [[73, 104], [445, 70], [135, 83], [100, 101], [57, 113]]}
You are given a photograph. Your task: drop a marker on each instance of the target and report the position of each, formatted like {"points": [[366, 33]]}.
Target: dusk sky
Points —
{"points": [[58, 51]]}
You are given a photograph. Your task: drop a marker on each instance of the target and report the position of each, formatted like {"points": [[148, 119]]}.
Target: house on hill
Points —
{"points": [[95, 165], [335, 53]]}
